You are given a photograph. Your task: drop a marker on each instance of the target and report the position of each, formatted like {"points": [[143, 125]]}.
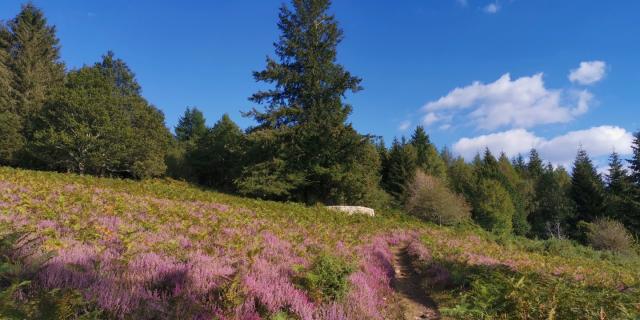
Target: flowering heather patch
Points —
{"points": [[194, 255], [164, 250]]}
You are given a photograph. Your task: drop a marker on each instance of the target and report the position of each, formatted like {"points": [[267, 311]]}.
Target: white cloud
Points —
{"points": [[430, 119], [523, 102], [404, 125], [510, 142], [589, 72], [492, 8], [597, 141], [462, 3]]}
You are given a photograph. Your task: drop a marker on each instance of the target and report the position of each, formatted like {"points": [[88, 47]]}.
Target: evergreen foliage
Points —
{"points": [[535, 166], [308, 146], [400, 168], [191, 125], [35, 59], [494, 209], [88, 128], [587, 189], [217, 158], [427, 157], [553, 206], [634, 162], [620, 197]]}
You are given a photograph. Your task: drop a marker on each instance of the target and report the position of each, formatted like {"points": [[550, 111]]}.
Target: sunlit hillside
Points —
{"points": [[83, 247]]}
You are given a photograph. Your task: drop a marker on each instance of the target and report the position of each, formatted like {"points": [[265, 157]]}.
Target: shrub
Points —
{"points": [[607, 234], [327, 278], [497, 293], [494, 209], [429, 199]]}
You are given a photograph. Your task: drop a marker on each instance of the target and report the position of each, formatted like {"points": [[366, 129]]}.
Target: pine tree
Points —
{"points": [[116, 69], [534, 166], [634, 162], [302, 136], [35, 59], [7, 103], [520, 165], [11, 137], [191, 125], [427, 157], [621, 202], [401, 167], [587, 190], [554, 207], [217, 158], [618, 181]]}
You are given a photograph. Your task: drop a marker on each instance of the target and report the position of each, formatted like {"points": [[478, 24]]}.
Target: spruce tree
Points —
{"points": [[6, 76], [618, 180], [427, 157], [520, 165], [401, 166], [116, 69], [534, 166], [11, 137], [35, 59], [621, 201], [217, 158], [302, 137], [587, 190], [191, 125], [634, 162], [554, 208]]}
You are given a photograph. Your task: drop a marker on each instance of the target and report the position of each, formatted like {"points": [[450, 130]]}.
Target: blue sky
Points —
{"points": [[510, 61]]}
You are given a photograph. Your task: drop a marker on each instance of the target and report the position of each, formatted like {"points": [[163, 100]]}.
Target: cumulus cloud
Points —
{"points": [[404, 125], [523, 102], [589, 72], [430, 118], [597, 141], [492, 8]]}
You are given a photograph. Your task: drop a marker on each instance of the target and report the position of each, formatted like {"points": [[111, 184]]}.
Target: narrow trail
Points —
{"points": [[415, 303]]}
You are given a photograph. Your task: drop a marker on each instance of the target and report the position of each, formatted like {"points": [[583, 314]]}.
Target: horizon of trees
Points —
{"points": [[94, 120]]}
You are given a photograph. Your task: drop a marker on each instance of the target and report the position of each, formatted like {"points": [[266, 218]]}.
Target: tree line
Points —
{"points": [[94, 120]]}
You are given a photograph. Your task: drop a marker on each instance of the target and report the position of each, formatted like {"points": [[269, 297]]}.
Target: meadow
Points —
{"points": [[80, 247]]}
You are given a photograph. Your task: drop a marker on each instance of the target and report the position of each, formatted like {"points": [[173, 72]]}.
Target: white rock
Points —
{"points": [[353, 209]]}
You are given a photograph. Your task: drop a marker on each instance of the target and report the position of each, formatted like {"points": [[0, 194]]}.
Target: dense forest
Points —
{"points": [[94, 120]]}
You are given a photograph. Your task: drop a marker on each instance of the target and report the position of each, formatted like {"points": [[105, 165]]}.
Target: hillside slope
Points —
{"points": [[162, 249]]}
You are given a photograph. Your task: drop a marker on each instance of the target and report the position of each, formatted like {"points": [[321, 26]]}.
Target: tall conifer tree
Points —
{"points": [[302, 138], [587, 190], [535, 167], [634, 162], [35, 59], [191, 125], [427, 157]]}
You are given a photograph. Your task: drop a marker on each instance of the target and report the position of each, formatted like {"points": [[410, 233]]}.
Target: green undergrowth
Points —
{"points": [[487, 276]]}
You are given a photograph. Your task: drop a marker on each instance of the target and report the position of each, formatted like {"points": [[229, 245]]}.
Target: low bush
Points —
{"points": [[431, 200], [327, 278], [607, 234], [498, 293]]}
